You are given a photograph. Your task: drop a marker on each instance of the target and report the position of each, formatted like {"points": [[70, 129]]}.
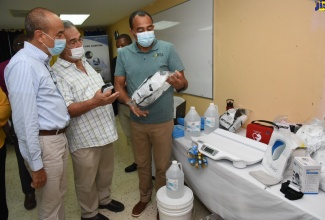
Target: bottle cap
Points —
{"points": [[174, 162], [192, 107]]}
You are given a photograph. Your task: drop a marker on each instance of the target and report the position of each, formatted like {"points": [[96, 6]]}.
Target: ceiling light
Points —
{"points": [[76, 19], [161, 25]]}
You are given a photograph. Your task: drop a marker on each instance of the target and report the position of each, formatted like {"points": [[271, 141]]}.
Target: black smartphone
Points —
{"points": [[107, 86]]}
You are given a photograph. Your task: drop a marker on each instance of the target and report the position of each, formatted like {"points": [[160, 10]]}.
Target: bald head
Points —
{"points": [[37, 19]]}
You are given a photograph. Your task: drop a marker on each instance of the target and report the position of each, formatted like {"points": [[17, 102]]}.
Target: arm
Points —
{"points": [[77, 109], [22, 89], [4, 108], [178, 81], [100, 99], [124, 98]]}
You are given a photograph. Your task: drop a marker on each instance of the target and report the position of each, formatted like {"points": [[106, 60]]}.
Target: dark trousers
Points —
{"points": [[25, 178], [3, 199]]}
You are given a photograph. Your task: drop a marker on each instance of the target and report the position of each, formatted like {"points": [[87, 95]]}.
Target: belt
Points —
{"points": [[51, 132]]}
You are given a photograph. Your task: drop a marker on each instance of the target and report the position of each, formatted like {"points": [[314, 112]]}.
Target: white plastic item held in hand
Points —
{"points": [[192, 122], [175, 181], [211, 119]]}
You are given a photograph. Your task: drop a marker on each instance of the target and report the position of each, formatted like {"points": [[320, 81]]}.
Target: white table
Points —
{"points": [[234, 194]]}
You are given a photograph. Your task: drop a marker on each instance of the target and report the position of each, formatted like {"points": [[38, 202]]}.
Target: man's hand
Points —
{"points": [[39, 178], [105, 98], [177, 80], [136, 110]]}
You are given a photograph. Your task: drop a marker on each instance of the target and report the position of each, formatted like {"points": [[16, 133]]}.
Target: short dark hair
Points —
{"points": [[18, 42], [36, 20], [126, 37], [139, 13]]}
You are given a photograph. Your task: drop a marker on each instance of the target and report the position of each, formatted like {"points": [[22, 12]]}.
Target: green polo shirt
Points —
{"points": [[136, 66]]}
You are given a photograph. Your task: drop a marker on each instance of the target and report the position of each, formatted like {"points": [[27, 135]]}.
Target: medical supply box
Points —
{"points": [[306, 174]]}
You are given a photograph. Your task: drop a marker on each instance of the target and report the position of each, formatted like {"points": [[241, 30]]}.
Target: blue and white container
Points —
{"points": [[192, 124]]}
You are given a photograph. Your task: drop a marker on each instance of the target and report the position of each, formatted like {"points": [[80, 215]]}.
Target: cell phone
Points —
{"points": [[107, 86]]}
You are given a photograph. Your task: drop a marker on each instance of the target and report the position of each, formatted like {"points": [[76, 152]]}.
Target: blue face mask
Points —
{"points": [[59, 45], [146, 38]]}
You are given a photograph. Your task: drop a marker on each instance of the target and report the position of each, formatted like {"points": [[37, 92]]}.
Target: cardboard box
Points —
{"points": [[306, 174]]}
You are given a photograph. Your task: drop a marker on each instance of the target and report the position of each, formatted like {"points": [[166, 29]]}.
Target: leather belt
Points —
{"points": [[52, 132]]}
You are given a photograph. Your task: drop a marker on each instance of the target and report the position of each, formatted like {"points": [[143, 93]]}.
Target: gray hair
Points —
{"points": [[68, 24]]}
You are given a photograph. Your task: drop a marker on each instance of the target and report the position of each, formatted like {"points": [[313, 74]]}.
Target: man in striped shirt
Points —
{"points": [[92, 127]]}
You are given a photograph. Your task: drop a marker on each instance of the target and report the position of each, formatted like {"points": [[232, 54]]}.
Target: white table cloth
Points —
{"points": [[233, 193]]}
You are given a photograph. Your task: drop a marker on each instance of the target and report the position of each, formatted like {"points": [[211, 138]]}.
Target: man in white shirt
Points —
{"points": [[92, 127], [39, 112]]}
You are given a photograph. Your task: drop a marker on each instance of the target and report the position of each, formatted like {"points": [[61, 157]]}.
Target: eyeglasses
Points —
{"points": [[73, 42]]}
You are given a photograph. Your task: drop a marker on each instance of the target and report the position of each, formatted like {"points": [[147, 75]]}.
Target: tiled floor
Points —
{"points": [[125, 189]]}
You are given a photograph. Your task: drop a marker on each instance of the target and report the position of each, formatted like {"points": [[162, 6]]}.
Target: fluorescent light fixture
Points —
{"points": [[161, 25], [209, 28], [76, 19]]}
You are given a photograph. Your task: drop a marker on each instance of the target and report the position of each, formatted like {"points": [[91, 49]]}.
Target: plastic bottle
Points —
{"points": [[211, 119], [192, 124], [175, 181]]}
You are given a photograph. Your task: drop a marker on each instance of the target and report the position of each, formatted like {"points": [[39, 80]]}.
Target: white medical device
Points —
{"points": [[222, 144]]}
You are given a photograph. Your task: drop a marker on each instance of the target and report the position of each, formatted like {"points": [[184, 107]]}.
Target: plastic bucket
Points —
{"points": [[175, 209]]}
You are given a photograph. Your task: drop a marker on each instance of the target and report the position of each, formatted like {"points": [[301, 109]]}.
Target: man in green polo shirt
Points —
{"points": [[151, 126]]}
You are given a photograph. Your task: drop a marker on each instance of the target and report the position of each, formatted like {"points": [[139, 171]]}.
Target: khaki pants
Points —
{"points": [[55, 160], [155, 138], [124, 116], [93, 173]]}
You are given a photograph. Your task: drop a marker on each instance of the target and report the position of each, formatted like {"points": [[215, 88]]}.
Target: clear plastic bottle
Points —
{"points": [[175, 181], [211, 119], [192, 123]]}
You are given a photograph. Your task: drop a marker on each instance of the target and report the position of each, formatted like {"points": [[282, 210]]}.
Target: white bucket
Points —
{"points": [[175, 209]]}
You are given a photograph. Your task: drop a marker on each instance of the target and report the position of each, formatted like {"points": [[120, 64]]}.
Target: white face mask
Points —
{"points": [[146, 38], [77, 53], [119, 49]]}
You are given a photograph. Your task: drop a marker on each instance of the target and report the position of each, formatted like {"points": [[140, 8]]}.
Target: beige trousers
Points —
{"points": [[55, 159], [124, 116], [93, 173], [156, 140]]}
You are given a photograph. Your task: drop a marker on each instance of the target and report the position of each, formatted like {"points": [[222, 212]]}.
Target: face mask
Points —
{"points": [[77, 53], [145, 39], [119, 49], [59, 45]]}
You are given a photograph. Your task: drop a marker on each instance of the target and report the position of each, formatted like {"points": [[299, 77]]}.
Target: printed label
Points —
{"points": [[210, 122], [172, 184], [193, 126]]}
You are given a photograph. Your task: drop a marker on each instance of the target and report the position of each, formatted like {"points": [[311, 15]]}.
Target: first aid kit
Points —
{"points": [[260, 130]]}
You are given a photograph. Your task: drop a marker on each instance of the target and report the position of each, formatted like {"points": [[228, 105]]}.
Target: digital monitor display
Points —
{"points": [[209, 150]]}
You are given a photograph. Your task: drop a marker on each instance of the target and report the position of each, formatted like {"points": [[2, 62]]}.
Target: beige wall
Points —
{"points": [[122, 26], [268, 57]]}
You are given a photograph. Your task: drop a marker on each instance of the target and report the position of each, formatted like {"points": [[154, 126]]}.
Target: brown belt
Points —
{"points": [[51, 132]]}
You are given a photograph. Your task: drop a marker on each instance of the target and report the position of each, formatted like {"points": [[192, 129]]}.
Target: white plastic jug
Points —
{"points": [[211, 119], [175, 181], [192, 123]]}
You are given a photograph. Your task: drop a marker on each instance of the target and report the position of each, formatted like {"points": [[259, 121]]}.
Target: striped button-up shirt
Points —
{"points": [[95, 127], [35, 101]]}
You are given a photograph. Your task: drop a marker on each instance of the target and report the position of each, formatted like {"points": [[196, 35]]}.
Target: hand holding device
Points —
{"points": [[106, 87]]}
